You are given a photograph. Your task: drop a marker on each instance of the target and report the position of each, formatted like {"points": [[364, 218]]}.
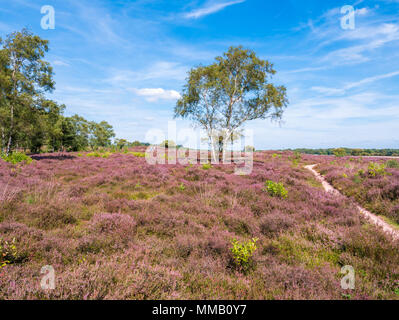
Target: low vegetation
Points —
{"points": [[373, 183], [119, 228]]}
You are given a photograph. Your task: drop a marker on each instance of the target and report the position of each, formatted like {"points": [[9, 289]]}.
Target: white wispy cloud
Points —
{"points": [[372, 37], [334, 91], [155, 94], [210, 8], [60, 63], [156, 71]]}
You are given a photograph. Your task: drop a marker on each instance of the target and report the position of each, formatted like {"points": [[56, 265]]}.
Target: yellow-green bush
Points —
{"points": [[138, 154], [206, 166], [275, 189], [8, 252], [243, 252], [17, 157], [99, 154]]}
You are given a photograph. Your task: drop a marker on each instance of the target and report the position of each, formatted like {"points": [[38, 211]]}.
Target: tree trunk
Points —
{"points": [[8, 149], [212, 149], [3, 142]]}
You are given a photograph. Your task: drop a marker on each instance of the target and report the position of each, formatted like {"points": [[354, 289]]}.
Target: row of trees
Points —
{"points": [[219, 98], [28, 120]]}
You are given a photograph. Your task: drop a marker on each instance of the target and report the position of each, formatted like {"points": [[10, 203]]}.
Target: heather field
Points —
{"points": [[115, 227], [372, 182]]}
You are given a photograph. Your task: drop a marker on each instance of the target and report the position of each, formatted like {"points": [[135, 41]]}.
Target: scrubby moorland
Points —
{"points": [[114, 227]]}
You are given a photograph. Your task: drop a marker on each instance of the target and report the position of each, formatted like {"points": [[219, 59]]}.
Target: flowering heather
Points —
{"points": [[118, 228], [372, 182]]}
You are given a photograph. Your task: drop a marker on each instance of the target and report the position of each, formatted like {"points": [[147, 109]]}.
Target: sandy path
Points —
{"points": [[371, 217]]}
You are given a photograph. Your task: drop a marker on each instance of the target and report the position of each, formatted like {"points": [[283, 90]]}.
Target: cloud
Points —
{"points": [[155, 94], [334, 91], [158, 71], [210, 8], [60, 63], [362, 11]]}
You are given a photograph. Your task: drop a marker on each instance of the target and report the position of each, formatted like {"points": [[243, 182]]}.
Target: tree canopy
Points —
{"points": [[28, 120], [234, 89]]}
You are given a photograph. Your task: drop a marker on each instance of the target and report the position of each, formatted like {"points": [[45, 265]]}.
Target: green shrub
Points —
{"points": [[243, 252], [275, 189], [168, 144], [375, 169], [340, 152], [17, 157], [138, 154], [8, 252], [97, 154], [206, 166], [393, 164], [360, 173]]}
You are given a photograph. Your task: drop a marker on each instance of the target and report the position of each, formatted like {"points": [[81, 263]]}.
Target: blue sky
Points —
{"points": [[126, 62]]}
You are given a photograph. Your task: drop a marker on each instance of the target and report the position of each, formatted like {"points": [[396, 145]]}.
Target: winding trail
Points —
{"points": [[371, 217]]}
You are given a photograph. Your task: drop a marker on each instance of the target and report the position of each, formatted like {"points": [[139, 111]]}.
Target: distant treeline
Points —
{"points": [[349, 152]]}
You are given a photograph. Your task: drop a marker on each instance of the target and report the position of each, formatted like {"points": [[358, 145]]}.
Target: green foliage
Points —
{"points": [[101, 134], [375, 169], [360, 173], [25, 76], [206, 166], [121, 144], [8, 252], [97, 154], [346, 296], [182, 187], [138, 144], [393, 164], [276, 189], [168, 144], [243, 252], [239, 78], [138, 154], [29, 120], [340, 152], [296, 158], [17, 157]]}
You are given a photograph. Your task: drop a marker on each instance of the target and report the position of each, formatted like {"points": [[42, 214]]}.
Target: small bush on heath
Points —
{"points": [[243, 252], [17, 157], [138, 154], [206, 166], [8, 252], [99, 154], [375, 169], [275, 189], [392, 164]]}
